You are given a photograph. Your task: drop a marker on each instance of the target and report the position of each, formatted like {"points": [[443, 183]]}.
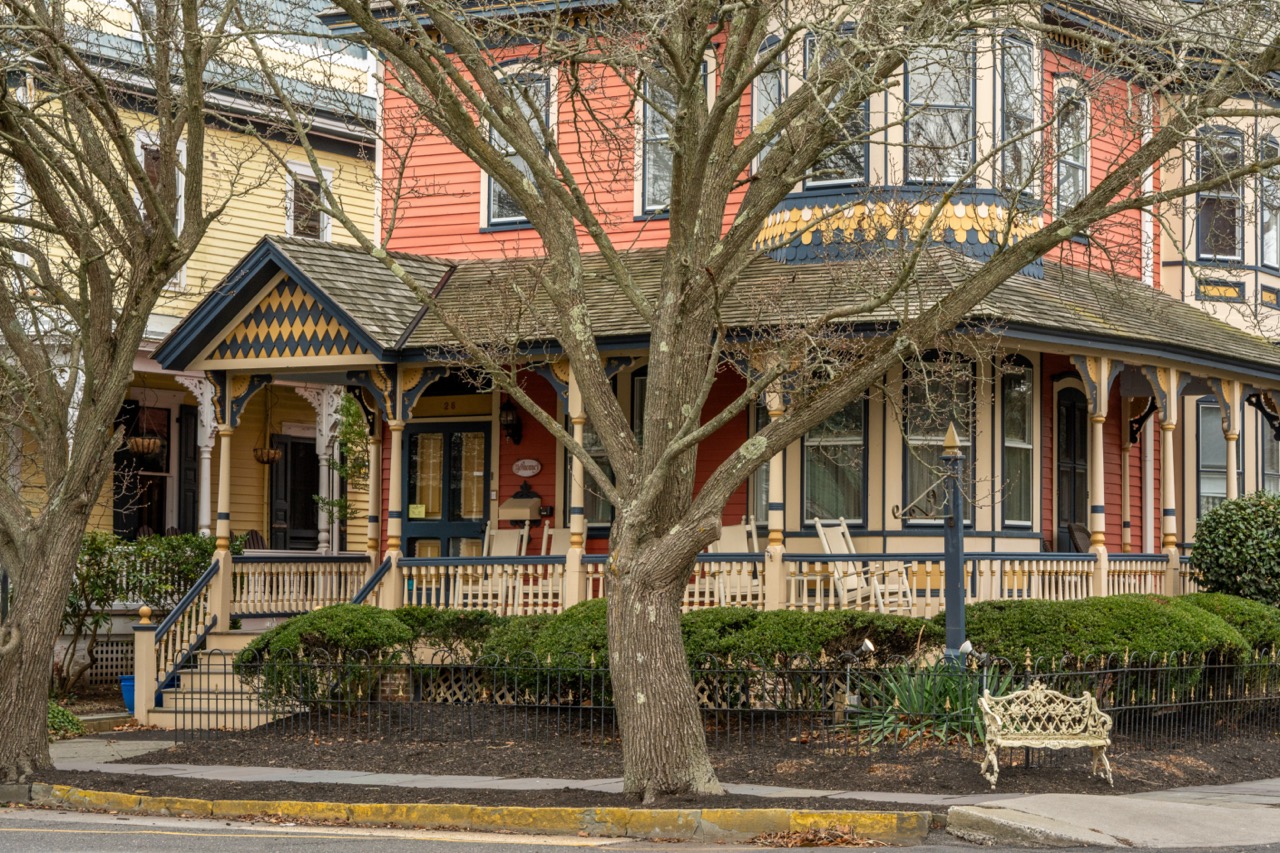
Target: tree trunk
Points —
{"points": [[664, 745], [26, 651]]}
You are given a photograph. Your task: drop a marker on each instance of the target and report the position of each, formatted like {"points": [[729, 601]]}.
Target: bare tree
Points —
{"points": [[481, 82], [104, 149]]}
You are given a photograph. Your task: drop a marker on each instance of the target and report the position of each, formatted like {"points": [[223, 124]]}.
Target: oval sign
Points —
{"points": [[526, 467]]}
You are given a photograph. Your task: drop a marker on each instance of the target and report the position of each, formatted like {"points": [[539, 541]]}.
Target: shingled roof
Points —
{"points": [[500, 300]]}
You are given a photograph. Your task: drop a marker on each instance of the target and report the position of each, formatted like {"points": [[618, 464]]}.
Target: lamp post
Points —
{"points": [[953, 545]]}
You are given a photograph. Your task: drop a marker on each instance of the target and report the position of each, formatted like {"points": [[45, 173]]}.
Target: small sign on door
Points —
{"points": [[417, 510]]}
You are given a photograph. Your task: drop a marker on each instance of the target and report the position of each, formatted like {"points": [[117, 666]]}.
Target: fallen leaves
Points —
{"points": [[839, 836]]}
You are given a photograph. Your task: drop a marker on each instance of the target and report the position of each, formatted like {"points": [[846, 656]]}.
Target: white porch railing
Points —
{"points": [[503, 585], [296, 582], [718, 580], [1189, 578], [1137, 573]]}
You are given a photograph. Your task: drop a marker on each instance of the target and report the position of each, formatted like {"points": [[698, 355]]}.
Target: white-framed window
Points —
{"points": [[834, 466], [146, 146], [656, 158], [1211, 458], [938, 392], [1269, 207], [1219, 211], [1017, 423], [533, 97], [1071, 145], [1019, 111], [768, 90], [940, 130], [304, 202], [846, 161]]}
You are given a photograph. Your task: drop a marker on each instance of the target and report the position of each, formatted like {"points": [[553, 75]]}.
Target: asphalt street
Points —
{"points": [[36, 831]]}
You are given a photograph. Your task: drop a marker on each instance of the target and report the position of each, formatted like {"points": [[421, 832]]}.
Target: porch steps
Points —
{"points": [[209, 695]]}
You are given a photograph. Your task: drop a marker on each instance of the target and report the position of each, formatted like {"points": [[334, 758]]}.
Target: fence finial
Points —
{"points": [[1026, 661], [144, 612]]}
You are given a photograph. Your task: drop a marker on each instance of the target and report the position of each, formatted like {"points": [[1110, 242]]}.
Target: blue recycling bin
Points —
{"points": [[126, 690]]}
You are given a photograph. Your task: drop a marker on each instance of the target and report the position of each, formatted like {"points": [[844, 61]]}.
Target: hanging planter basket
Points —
{"points": [[267, 455], [145, 445]]}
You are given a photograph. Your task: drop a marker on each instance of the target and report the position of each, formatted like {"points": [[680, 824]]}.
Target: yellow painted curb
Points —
{"points": [[701, 824]]}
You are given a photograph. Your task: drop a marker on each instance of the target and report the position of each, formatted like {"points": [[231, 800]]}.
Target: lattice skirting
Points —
{"points": [[114, 659]]}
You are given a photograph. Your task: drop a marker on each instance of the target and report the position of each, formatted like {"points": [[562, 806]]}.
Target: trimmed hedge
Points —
{"points": [[456, 631], [1140, 625], [1237, 548], [334, 632], [1258, 623]]}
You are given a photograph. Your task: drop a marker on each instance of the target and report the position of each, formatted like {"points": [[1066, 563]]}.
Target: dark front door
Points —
{"points": [[446, 500], [295, 482], [1073, 464]]}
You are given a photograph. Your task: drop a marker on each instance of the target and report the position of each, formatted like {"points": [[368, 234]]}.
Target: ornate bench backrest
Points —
{"points": [[1040, 711]]}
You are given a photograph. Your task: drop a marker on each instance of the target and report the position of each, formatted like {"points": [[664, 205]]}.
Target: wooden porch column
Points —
{"points": [[220, 586], [206, 432], [1229, 393], [374, 543], [575, 579], [1098, 373], [775, 578], [1126, 484], [1167, 383], [394, 583]]}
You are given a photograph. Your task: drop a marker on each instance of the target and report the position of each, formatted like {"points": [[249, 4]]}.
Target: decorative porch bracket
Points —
{"points": [[231, 393], [1265, 403], [1137, 422], [203, 390]]}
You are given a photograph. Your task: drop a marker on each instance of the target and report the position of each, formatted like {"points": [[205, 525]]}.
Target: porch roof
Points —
{"points": [[500, 299]]}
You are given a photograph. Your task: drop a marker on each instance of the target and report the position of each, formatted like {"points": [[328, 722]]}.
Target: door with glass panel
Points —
{"points": [[446, 494], [1073, 464]]}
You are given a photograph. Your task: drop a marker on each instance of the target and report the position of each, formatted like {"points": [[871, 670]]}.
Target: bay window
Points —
{"points": [[1269, 205], [1017, 408], [1071, 151], [938, 393], [1220, 212], [940, 122], [846, 160], [1019, 95], [767, 92]]}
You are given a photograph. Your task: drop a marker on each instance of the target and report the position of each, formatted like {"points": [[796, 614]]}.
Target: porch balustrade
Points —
{"points": [[1137, 573], [718, 580], [505, 585], [284, 584]]}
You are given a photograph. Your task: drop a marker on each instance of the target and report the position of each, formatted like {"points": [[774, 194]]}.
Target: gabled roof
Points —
{"points": [[498, 301]]}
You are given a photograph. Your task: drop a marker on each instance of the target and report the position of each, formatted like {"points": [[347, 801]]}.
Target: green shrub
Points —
{"points": [[63, 723], [461, 633], [1258, 623], [1141, 625], [578, 634], [322, 656], [833, 632], [1237, 548], [515, 636], [331, 632], [712, 630]]}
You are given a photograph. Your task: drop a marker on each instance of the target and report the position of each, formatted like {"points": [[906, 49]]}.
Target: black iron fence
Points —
{"points": [[851, 704]]}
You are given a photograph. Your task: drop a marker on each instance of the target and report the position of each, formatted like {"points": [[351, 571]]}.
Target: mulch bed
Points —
{"points": [[466, 742]]}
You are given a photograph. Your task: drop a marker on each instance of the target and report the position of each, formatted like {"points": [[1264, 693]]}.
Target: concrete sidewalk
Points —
{"points": [[1239, 815]]}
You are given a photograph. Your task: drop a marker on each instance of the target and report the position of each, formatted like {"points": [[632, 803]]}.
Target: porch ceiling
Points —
{"points": [[501, 299]]}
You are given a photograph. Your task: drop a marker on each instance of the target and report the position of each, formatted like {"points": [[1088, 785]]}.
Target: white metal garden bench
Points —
{"points": [[1040, 718]]}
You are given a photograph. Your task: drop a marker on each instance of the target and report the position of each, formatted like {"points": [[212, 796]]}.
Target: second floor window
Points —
{"points": [[846, 161], [940, 121], [532, 94], [1269, 204], [656, 180], [767, 92], [1020, 93], [305, 216], [1220, 214], [1072, 148]]}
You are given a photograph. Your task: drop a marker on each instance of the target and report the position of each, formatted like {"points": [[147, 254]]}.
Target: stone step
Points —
{"points": [[211, 703], [230, 641], [192, 718]]}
